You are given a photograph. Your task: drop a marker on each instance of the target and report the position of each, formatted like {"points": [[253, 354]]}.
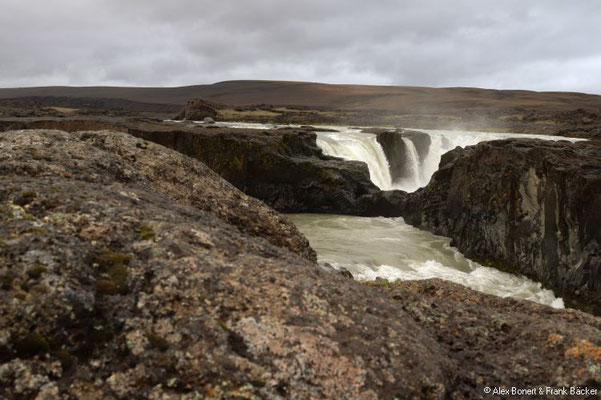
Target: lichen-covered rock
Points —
{"points": [[125, 274], [119, 281], [503, 341], [530, 206], [182, 179]]}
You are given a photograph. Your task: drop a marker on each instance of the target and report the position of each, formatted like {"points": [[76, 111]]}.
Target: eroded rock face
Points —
{"points": [[131, 271], [528, 205], [283, 167]]}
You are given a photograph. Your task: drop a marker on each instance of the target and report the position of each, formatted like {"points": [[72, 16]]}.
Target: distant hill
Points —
{"points": [[397, 99]]}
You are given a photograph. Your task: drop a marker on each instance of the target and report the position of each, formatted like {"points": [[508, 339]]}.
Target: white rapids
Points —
{"points": [[389, 248]]}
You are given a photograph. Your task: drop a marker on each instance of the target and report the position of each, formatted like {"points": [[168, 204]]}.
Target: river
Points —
{"points": [[391, 249], [388, 247]]}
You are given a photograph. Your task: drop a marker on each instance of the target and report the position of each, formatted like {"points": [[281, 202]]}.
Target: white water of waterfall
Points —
{"points": [[413, 181], [347, 142], [432, 159], [352, 145]]}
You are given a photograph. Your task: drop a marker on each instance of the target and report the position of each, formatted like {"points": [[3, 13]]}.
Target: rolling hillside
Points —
{"points": [[398, 99]]}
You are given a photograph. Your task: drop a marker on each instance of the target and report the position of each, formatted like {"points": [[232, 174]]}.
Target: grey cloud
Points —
{"points": [[539, 44]]}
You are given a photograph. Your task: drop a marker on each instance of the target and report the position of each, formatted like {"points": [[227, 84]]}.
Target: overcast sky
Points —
{"points": [[504, 44]]}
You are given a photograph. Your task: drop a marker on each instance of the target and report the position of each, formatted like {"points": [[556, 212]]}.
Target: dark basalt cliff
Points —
{"points": [[530, 206], [285, 168], [130, 271]]}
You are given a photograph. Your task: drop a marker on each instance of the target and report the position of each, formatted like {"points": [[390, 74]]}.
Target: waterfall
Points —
{"points": [[419, 168], [352, 145], [430, 163], [414, 181]]}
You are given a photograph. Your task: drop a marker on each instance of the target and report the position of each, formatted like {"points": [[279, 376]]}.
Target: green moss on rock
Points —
{"points": [[6, 211], [106, 286], [109, 258], [147, 233], [114, 266], [119, 274]]}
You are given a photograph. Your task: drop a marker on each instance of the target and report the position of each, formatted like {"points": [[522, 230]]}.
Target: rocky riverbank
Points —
{"points": [[132, 271], [282, 167], [528, 206]]}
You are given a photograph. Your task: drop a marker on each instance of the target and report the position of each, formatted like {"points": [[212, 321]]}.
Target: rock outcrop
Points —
{"points": [[197, 110], [529, 206], [131, 271], [283, 167], [161, 171]]}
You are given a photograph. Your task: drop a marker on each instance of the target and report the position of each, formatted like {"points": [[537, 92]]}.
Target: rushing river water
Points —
{"points": [[389, 248]]}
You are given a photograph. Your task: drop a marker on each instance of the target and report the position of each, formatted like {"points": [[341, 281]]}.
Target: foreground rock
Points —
{"points": [[518, 343], [529, 206], [126, 274], [117, 281]]}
